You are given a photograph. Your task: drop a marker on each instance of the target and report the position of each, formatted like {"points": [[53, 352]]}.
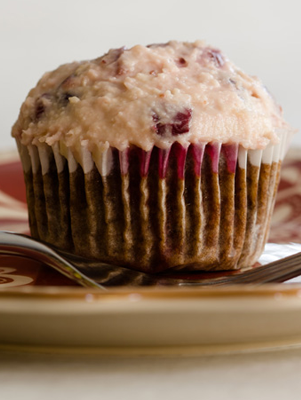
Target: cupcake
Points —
{"points": [[155, 158]]}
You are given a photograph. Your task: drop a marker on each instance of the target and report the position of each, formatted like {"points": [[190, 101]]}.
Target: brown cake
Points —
{"points": [[158, 157]]}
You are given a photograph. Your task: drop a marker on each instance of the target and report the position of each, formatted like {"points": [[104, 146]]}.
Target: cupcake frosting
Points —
{"points": [[150, 96]]}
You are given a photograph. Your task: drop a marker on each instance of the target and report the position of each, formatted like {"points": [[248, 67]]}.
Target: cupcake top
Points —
{"points": [[146, 96]]}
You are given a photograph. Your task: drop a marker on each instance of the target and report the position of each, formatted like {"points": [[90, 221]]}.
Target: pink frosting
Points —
{"points": [[150, 96]]}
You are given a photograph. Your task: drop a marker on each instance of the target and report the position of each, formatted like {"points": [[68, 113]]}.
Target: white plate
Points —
{"points": [[148, 321]]}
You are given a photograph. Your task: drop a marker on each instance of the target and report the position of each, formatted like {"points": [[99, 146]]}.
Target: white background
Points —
{"points": [[263, 37]]}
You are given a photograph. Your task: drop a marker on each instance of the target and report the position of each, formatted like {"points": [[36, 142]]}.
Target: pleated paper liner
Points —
{"points": [[204, 207]]}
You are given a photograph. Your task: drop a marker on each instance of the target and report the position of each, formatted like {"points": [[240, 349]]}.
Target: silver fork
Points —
{"points": [[101, 275]]}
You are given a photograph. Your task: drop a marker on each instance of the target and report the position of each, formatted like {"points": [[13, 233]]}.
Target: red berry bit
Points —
{"points": [[178, 126], [40, 106], [39, 110], [181, 62], [160, 129], [181, 124], [213, 56]]}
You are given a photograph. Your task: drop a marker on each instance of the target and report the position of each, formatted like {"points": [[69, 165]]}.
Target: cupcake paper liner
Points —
{"points": [[204, 207]]}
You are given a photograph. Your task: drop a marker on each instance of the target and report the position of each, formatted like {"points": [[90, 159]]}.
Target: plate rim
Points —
{"points": [[131, 294]]}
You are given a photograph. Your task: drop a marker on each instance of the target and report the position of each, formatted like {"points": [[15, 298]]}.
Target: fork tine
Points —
{"points": [[277, 271], [95, 274]]}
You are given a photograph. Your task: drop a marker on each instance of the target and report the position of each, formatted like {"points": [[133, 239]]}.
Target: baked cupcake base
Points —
{"points": [[204, 207]]}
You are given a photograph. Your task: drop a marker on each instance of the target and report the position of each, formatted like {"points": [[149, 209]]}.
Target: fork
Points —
{"points": [[101, 275]]}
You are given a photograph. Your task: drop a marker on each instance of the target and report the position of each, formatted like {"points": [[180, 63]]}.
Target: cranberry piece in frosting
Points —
{"points": [[40, 106], [160, 129], [181, 122], [46, 100], [216, 57], [181, 62], [212, 55], [178, 125], [39, 110]]}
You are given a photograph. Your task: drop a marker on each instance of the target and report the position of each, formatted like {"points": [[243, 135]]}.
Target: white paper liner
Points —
{"points": [[102, 158], [34, 157]]}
